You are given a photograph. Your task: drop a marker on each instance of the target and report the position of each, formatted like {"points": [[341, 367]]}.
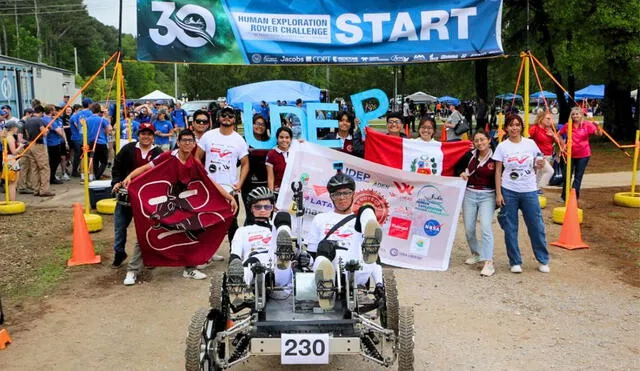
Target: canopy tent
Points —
{"points": [[590, 92], [447, 99], [158, 95], [508, 96], [272, 91], [421, 97], [543, 94]]}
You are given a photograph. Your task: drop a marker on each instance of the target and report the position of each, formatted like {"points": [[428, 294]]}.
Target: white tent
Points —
{"points": [[158, 95], [421, 97]]}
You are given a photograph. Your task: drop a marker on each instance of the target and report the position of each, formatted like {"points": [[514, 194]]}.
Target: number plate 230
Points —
{"points": [[298, 349]]}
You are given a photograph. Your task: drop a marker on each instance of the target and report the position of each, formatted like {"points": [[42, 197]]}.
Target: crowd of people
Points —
{"points": [[508, 177]]}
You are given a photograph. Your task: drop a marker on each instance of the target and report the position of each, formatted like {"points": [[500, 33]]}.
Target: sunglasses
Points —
{"points": [[200, 121], [262, 207], [228, 115]]}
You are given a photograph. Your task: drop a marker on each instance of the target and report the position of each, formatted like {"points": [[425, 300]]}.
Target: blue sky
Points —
{"points": [[107, 12]]}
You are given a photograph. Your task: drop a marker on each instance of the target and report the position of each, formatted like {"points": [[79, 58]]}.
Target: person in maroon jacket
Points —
{"points": [[276, 160], [480, 201]]}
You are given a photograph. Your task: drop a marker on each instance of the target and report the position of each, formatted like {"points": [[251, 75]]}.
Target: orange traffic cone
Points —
{"points": [[82, 249], [4, 338], [443, 135], [230, 324], [486, 128], [570, 235], [406, 131]]}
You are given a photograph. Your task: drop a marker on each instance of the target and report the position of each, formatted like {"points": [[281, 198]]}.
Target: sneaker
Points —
{"points": [[130, 279], [118, 258], [284, 248], [516, 268], [217, 258], [473, 260], [324, 276], [488, 270], [371, 241], [235, 272], [65, 177], [194, 274], [45, 194], [544, 268], [25, 191]]}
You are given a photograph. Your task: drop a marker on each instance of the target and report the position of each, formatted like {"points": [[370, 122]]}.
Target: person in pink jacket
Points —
{"points": [[580, 148]]}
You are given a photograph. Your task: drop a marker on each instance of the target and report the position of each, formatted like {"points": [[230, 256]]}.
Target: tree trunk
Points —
{"points": [[481, 67], [617, 110]]}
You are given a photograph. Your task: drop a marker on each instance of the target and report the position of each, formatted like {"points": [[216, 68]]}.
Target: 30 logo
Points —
{"points": [[193, 25]]}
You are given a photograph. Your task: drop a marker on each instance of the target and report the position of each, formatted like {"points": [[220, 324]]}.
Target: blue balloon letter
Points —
{"points": [[359, 98], [313, 124]]}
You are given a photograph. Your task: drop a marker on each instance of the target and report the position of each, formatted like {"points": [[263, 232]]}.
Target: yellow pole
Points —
{"points": [[118, 102], [500, 126], [636, 153], [5, 169], [526, 96], [567, 175], [85, 166]]}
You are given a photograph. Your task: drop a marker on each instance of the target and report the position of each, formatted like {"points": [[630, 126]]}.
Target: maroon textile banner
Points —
{"points": [[180, 216]]}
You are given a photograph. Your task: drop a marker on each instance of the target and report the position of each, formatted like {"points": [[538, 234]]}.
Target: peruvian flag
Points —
{"points": [[180, 216], [433, 158]]}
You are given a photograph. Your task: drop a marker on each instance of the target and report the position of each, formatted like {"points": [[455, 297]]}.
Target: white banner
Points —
{"points": [[419, 213]]}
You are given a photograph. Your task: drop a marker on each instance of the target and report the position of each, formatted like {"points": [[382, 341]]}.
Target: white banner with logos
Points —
{"points": [[419, 213]]}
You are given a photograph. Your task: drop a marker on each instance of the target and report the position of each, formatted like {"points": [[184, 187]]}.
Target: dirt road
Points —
{"points": [[580, 316]]}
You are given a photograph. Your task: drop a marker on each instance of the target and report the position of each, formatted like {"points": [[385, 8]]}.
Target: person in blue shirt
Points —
{"points": [[76, 133], [179, 117], [56, 142], [164, 130], [98, 128], [124, 125]]}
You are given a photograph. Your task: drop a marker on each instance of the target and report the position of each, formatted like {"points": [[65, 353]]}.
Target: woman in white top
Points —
{"points": [[517, 159], [426, 129]]}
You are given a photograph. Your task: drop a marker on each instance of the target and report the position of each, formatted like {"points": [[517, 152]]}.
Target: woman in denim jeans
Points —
{"points": [[480, 202], [517, 160], [580, 148]]}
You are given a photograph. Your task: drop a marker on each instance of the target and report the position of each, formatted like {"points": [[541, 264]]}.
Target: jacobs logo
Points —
{"points": [[193, 25]]}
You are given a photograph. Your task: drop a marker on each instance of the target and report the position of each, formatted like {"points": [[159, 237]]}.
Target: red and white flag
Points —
{"points": [[180, 216], [433, 158]]}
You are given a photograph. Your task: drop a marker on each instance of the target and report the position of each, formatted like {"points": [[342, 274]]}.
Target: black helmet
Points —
{"points": [[340, 181], [260, 193]]}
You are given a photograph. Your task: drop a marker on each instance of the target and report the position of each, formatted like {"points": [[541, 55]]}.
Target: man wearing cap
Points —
{"points": [[131, 156], [219, 150], [37, 154], [222, 104]]}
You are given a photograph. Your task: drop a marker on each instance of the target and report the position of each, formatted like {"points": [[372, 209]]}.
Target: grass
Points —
{"points": [[52, 270]]}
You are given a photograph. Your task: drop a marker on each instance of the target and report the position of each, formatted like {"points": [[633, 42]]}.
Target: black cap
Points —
{"points": [[228, 109]]}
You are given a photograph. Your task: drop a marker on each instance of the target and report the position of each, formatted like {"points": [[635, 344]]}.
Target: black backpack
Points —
{"points": [[462, 126]]}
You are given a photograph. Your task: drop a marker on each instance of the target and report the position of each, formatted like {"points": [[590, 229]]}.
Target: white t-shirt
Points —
{"points": [[254, 239], [405, 109], [346, 235], [518, 160], [418, 139], [222, 153]]}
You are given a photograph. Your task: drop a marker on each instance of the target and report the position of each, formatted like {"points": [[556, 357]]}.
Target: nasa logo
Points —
{"points": [[432, 227]]}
